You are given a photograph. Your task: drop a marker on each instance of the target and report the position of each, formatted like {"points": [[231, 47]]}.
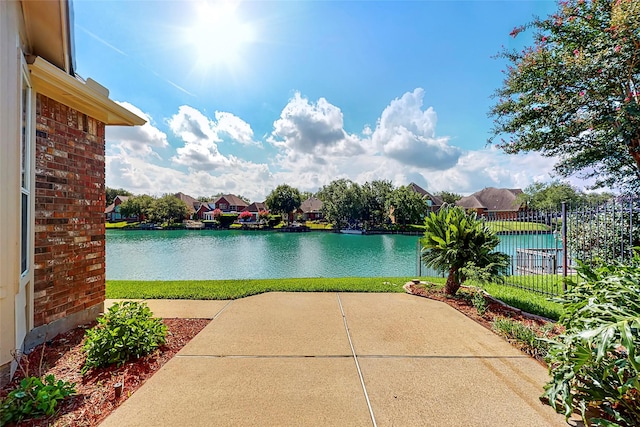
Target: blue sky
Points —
{"points": [[243, 96]]}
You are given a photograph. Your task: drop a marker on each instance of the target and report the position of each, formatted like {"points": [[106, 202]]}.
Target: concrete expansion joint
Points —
{"points": [[265, 356], [355, 359]]}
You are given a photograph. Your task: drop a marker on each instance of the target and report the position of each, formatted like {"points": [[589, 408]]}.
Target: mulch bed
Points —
{"points": [[96, 392]]}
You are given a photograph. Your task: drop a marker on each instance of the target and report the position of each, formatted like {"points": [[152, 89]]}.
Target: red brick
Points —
{"points": [[69, 198]]}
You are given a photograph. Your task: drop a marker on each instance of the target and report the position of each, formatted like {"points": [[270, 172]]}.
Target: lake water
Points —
{"points": [[210, 255]]}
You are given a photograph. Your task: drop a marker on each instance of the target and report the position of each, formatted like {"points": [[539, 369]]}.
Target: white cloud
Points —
{"points": [[200, 150], [138, 141], [306, 128], [141, 177], [407, 134], [237, 129], [310, 148]]}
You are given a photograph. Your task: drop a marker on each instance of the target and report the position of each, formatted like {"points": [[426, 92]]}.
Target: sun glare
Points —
{"points": [[218, 35]]}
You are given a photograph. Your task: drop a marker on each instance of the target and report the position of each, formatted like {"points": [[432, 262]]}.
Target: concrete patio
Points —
{"points": [[338, 359]]}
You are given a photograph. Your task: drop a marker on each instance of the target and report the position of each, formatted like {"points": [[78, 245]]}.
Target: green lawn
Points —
{"points": [[122, 224], [233, 289], [528, 301], [506, 226]]}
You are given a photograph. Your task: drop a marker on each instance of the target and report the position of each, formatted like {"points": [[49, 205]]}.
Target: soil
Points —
{"points": [[96, 392]]}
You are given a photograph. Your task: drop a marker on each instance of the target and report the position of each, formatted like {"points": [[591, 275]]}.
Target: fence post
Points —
{"points": [[564, 247]]}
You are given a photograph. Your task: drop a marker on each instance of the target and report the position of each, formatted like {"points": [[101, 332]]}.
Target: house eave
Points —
{"points": [[87, 97]]}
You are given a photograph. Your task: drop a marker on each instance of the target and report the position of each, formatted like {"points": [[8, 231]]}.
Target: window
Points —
{"points": [[25, 173]]}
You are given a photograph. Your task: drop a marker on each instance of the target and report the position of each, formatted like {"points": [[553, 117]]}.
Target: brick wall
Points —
{"points": [[69, 212]]}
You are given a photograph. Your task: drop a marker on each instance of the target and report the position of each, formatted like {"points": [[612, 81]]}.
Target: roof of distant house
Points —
{"points": [[492, 199], [256, 207], [232, 200], [192, 204], [435, 200], [312, 204], [112, 206]]}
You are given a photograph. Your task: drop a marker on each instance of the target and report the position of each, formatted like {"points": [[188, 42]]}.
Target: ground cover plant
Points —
{"points": [[126, 331], [34, 397], [594, 366]]}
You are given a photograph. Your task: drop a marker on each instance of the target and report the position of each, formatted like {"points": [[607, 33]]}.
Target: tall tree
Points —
{"points": [[342, 202], [376, 194], [283, 200], [407, 206], [449, 197], [549, 196], [168, 208], [139, 206], [111, 194], [575, 94]]}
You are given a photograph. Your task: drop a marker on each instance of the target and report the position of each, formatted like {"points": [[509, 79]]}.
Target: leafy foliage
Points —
{"points": [[449, 197], [595, 364], [343, 202], [480, 303], [575, 94], [111, 194], [139, 206], [34, 398], [549, 196], [168, 208], [524, 335], [376, 193], [283, 199], [454, 240], [608, 233], [407, 206], [126, 331]]}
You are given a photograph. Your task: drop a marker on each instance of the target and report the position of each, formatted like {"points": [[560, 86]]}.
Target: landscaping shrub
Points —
{"points": [[594, 365], [126, 331], [227, 219], [34, 398], [274, 220], [480, 303]]}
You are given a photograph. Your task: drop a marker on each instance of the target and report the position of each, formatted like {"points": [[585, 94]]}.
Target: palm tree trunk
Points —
{"points": [[452, 285]]}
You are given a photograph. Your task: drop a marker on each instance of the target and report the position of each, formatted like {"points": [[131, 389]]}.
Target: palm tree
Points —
{"points": [[457, 242]]}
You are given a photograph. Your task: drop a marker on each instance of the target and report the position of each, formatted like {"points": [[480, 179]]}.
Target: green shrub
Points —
{"points": [[226, 219], [480, 302], [274, 220], [126, 331], [594, 365], [34, 398]]}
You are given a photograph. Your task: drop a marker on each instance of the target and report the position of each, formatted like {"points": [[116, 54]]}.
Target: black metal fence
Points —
{"points": [[544, 246]]}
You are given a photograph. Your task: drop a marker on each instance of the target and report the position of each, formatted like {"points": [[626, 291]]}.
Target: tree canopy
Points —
{"points": [[139, 206], [449, 197], [111, 194], [549, 196], [342, 202], [407, 206], [283, 199], [575, 95], [168, 208]]}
